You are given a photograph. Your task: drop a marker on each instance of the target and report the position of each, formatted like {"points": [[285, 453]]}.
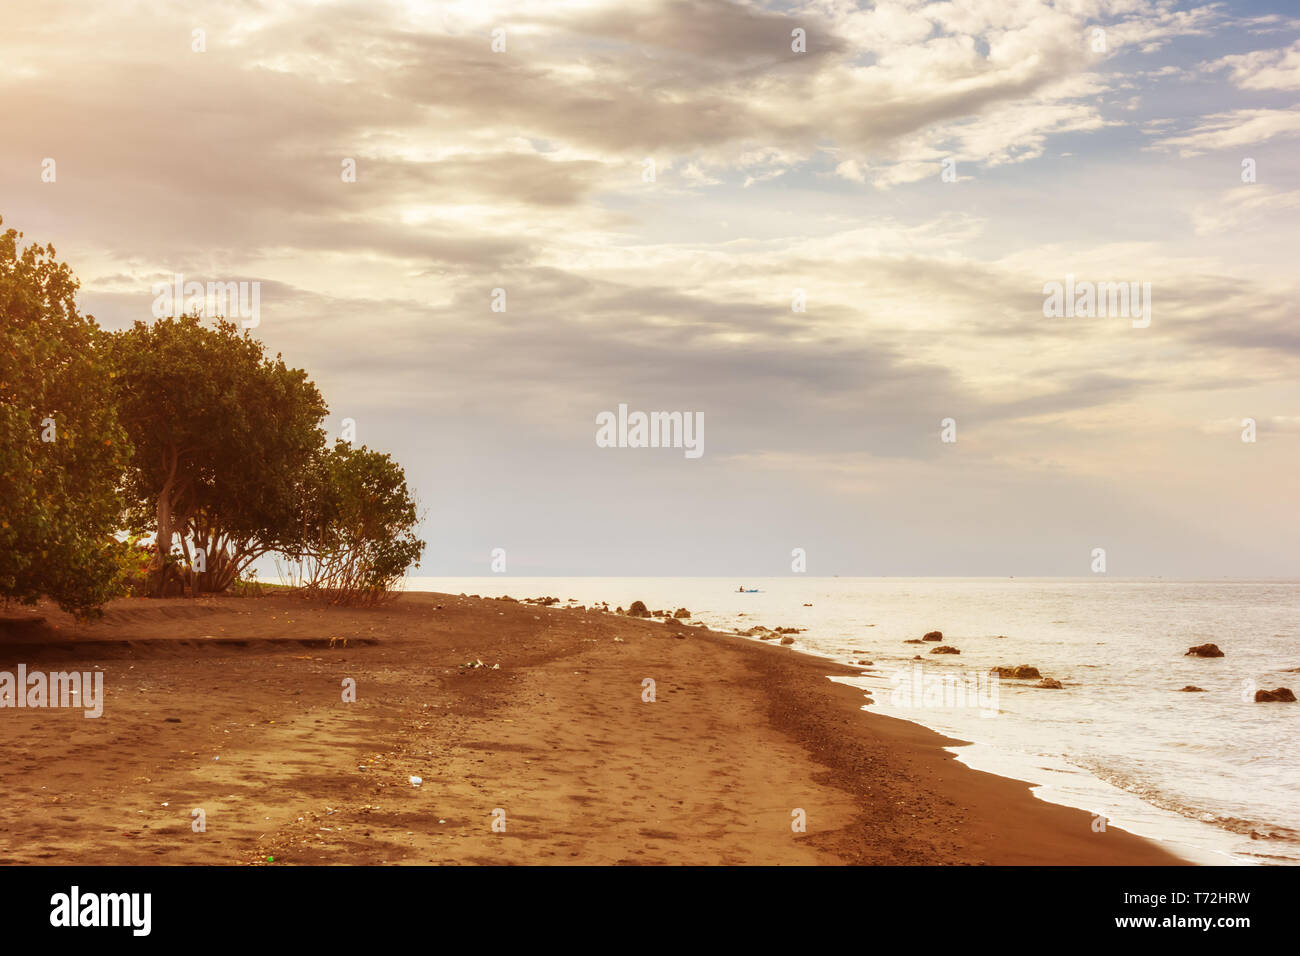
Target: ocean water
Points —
{"points": [[1198, 771]]}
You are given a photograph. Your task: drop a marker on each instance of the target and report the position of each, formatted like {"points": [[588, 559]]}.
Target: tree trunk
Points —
{"points": [[163, 542], [166, 530]]}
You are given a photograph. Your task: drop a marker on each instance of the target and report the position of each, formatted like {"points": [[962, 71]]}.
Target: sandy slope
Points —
{"points": [[235, 706]]}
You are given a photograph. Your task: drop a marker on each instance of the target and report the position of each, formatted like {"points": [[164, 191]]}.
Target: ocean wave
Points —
{"points": [[1254, 829]]}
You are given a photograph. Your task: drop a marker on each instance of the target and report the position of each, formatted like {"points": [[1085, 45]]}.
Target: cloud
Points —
{"points": [[775, 171], [1232, 129], [1263, 69], [1250, 206]]}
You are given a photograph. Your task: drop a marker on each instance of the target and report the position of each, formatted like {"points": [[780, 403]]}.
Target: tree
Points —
{"points": [[223, 438], [61, 447], [358, 526]]}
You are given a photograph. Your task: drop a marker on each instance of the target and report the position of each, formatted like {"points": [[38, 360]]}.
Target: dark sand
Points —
{"points": [[559, 738]]}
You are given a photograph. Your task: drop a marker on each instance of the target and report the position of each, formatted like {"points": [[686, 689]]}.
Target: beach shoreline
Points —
{"points": [[547, 753]]}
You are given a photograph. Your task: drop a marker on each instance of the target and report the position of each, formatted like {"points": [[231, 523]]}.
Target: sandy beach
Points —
{"points": [[235, 706]]}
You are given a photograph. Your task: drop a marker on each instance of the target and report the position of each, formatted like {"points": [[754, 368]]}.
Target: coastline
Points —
{"points": [[557, 737], [990, 760]]}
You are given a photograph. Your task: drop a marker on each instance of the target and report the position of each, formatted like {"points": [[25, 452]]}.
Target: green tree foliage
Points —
{"points": [[58, 501], [180, 428], [359, 526], [224, 437]]}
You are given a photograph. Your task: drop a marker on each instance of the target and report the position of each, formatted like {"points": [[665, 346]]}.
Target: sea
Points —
{"points": [[1211, 774]]}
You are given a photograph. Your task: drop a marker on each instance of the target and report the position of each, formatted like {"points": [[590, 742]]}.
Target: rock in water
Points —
{"points": [[1051, 683], [1192, 689], [944, 649], [1204, 650], [933, 636], [1281, 695], [1019, 672]]}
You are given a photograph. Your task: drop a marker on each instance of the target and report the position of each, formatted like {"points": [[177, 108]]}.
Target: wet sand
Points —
{"points": [[235, 706]]}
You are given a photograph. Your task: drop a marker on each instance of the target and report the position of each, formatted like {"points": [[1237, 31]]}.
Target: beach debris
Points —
{"points": [[1271, 835], [1192, 689], [933, 636], [807, 605], [864, 662], [1051, 683], [787, 639], [638, 609], [1204, 650], [416, 781], [758, 630], [944, 649], [1281, 695], [681, 612], [1019, 672], [791, 630]]}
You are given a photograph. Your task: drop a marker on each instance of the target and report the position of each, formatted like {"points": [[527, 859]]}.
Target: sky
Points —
{"points": [[650, 184]]}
